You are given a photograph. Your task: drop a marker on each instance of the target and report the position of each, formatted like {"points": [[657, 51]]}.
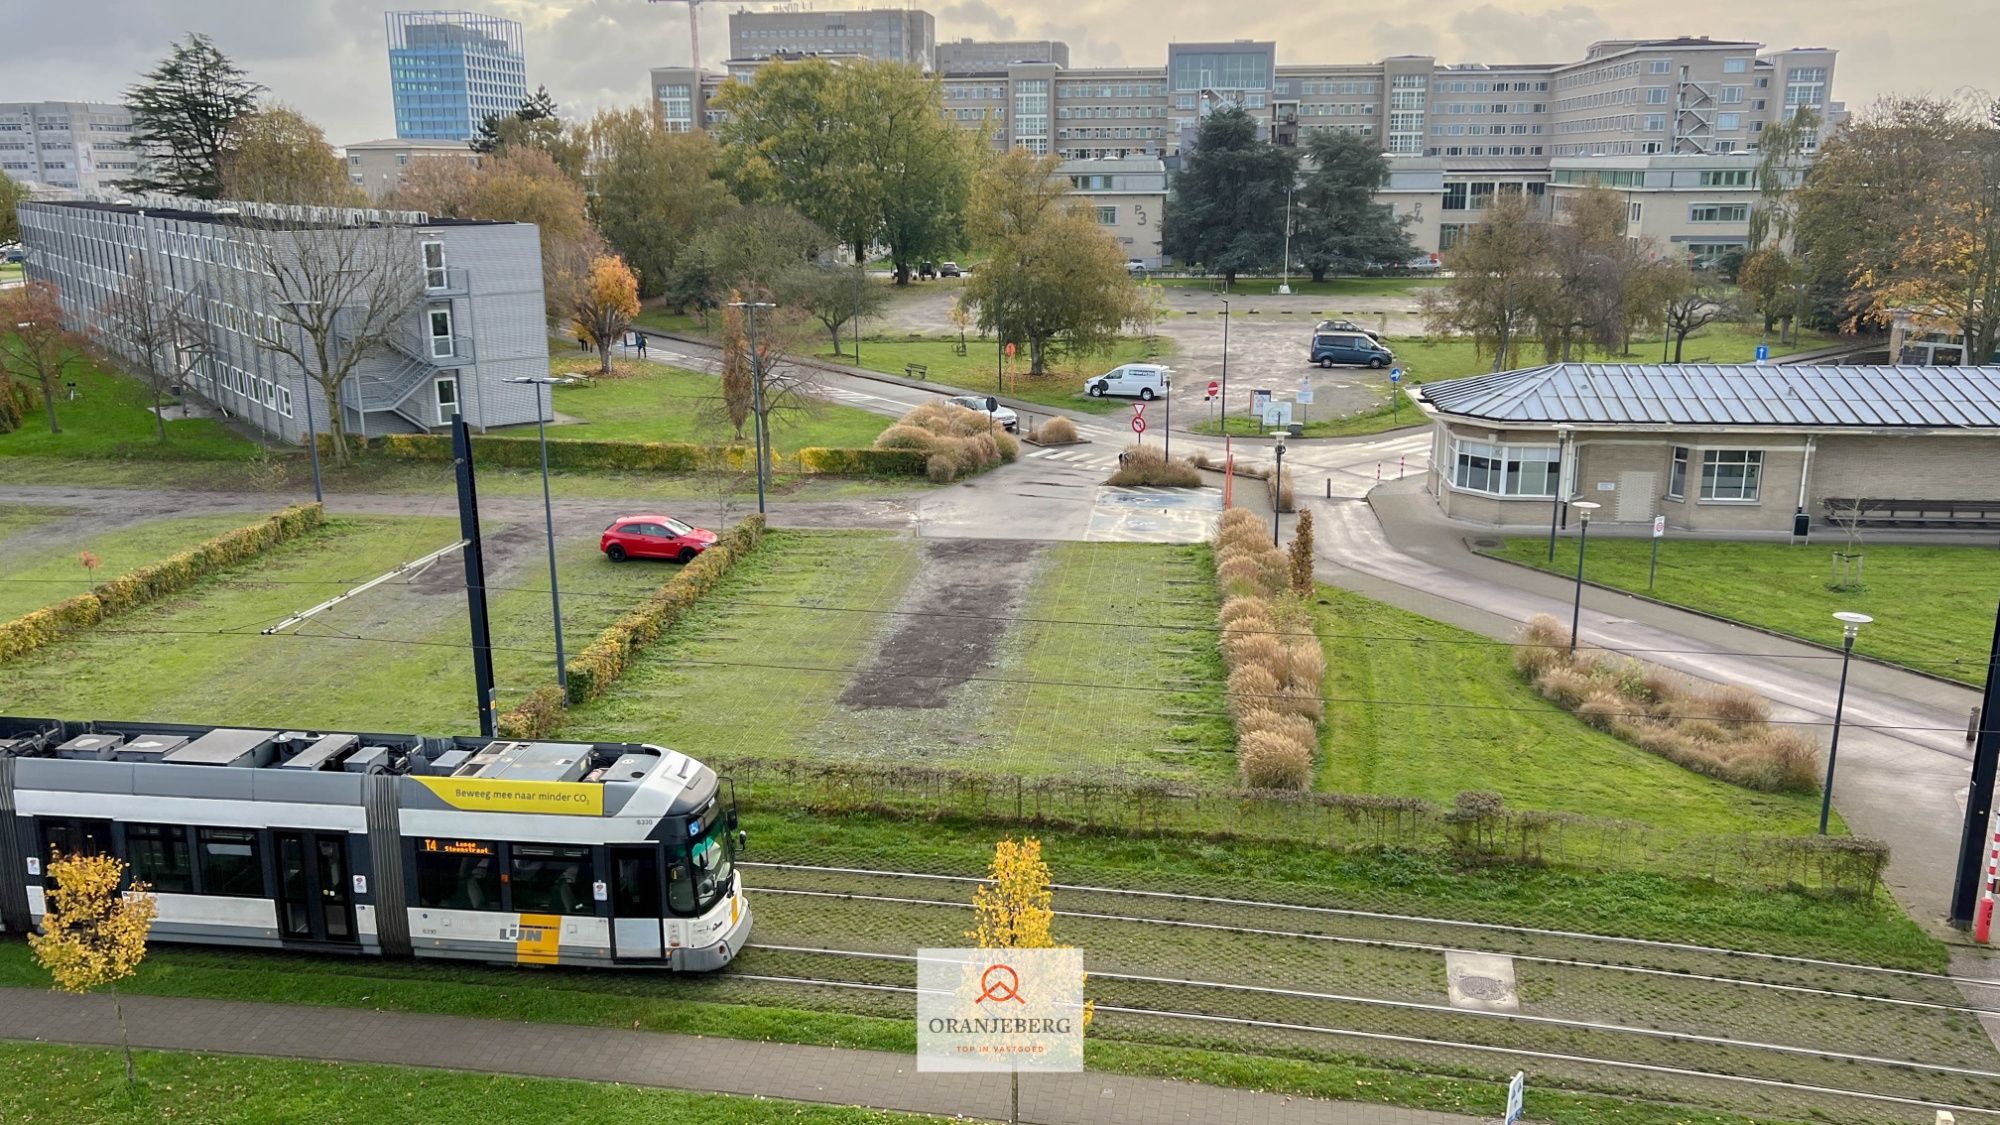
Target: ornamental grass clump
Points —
{"points": [[1723, 732], [1276, 665], [954, 442]]}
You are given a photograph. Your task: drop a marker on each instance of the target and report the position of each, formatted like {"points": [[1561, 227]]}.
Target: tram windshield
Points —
{"points": [[714, 860]]}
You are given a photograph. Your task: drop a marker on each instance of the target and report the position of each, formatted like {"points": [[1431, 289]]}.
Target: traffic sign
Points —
{"points": [[1214, 387], [992, 404], [1138, 424], [1138, 408], [1659, 526], [1395, 374], [1517, 1091], [1763, 353]]}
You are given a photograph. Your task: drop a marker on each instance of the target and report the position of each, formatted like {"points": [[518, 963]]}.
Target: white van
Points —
{"points": [[1132, 380]]}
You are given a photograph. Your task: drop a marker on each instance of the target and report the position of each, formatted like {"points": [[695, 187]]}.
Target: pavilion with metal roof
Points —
{"points": [[1720, 447]]}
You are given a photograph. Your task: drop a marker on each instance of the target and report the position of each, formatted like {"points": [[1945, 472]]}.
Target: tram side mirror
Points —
{"points": [[742, 840]]}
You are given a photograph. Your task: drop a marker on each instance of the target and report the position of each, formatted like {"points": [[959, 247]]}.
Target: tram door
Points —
{"points": [[635, 901], [315, 901]]}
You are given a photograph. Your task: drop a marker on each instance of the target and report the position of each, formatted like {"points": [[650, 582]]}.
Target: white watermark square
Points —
{"points": [[999, 1009]]}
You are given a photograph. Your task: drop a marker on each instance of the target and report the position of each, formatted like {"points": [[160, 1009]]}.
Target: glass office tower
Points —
{"points": [[448, 70]]}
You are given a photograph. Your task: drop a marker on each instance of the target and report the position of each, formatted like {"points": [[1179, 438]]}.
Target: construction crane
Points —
{"points": [[694, 22]]}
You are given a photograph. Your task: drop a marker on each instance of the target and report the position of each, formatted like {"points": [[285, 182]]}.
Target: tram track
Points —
{"points": [[1746, 1030]]}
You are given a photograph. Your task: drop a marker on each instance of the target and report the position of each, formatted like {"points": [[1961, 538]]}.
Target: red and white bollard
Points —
{"points": [[1982, 921], [1378, 472], [1401, 462]]}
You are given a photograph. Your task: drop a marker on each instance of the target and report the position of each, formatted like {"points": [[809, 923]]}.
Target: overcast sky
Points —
{"points": [[328, 58]]}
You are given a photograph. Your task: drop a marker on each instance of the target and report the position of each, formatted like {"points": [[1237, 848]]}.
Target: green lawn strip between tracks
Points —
{"points": [[1932, 605], [368, 664], [978, 370], [111, 417], [656, 1004], [1417, 708], [66, 1084], [653, 402], [35, 577]]}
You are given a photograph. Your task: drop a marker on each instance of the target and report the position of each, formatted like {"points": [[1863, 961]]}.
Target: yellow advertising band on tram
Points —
{"points": [[562, 798]]}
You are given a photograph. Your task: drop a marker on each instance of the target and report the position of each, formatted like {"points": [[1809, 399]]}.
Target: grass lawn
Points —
{"points": [[1425, 360], [1929, 603], [679, 692], [1498, 735], [654, 402], [1375, 420], [53, 1083], [686, 324], [199, 656], [41, 576], [978, 369], [10, 271], [112, 417], [1331, 287]]}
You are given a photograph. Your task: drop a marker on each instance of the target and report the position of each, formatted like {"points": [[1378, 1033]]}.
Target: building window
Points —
{"points": [[1732, 95], [1735, 66], [1677, 476], [1656, 95], [1527, 471], [1738, 177], [434, 271], [1731, 474], [1632, 215], [1729, 121], [1719, 213], [440, 321], [1107, 216]]}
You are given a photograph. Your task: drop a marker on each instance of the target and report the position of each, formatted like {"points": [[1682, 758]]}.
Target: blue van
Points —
{"points": [[1352, 349]]}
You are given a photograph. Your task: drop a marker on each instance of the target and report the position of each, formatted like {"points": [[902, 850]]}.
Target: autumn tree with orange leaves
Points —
{"points": [[36, 348], [604, 305]]}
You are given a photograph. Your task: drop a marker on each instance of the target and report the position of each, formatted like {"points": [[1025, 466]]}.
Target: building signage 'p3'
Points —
{"points": [[999, 1009]]}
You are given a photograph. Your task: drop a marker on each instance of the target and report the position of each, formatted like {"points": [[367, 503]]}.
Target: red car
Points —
{"points": [[653, 537]]}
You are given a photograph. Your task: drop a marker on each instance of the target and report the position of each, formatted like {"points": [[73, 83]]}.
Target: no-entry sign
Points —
{"points": [[1214, 388]]}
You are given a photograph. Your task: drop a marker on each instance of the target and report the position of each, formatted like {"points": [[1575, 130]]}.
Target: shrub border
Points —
{"points": [[649, 456], [149, 583], [591, 672]]}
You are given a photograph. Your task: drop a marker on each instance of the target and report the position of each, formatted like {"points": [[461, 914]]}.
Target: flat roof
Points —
{"points": [[1702, 394], [213, 219]]}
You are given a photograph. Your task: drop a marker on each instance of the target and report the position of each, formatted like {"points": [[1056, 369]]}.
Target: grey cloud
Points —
{"points": [[1404, 39], [973, 19], [1490, 33]]}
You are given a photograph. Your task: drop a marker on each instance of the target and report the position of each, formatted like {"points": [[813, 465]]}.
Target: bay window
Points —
{"points": [[1527, 471]]}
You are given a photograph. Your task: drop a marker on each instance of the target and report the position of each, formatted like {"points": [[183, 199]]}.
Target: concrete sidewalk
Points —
{"points": [[728, 1066]]}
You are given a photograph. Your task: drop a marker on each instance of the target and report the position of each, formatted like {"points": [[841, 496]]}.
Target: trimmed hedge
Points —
{"points": [[592, 671], [648, 456], [149, 583]]}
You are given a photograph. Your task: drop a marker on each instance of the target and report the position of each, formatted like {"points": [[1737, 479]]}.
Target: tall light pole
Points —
{"points": [[1555, 505], [548, 513], [1851, 624], [1225, 380], [1582, 540], [1285, 286], [751, 308], [1278, 487]]}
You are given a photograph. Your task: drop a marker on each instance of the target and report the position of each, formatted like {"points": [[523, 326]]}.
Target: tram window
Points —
{"points": [[69, 836], [159, 857], [229, 862], [680, 888], [458, 874], [635, 884], [552, 880]]}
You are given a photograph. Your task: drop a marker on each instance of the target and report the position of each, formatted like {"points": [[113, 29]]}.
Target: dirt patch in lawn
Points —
{"points": [[503, 551], [946, 635]]}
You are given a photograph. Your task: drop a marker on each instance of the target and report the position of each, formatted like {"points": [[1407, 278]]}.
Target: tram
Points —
{"points": [[394, 845]]}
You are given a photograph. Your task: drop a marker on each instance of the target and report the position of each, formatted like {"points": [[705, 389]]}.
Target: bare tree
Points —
{"points": [[1695, 300], [336, 294], [35, 346], [156, 328]]}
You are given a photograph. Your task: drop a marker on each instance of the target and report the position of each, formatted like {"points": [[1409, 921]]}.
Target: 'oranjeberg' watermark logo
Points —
{"points": [[999, 1009]]}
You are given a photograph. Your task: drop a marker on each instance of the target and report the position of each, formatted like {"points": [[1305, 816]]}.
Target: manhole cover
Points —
{"points": [[1487, 544], [1483, 988]]}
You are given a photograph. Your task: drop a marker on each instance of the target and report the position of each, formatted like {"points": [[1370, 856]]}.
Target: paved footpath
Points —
{"points": [[728, 1066]]}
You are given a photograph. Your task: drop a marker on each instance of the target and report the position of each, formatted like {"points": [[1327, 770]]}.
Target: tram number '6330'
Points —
{"points": [[457, 847]]}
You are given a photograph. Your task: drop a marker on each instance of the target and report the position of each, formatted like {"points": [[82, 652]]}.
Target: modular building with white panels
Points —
{"points": [[474, 315]]}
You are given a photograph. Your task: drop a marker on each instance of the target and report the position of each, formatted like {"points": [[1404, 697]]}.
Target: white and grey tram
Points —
{"points": [[546, 853]]}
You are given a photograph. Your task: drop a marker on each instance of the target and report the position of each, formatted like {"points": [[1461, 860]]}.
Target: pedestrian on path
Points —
{"points": [[641, 337], [581, 346]]}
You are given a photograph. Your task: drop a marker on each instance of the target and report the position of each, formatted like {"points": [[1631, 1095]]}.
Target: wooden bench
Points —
{"points": [[1869, 512], [917, 371]]}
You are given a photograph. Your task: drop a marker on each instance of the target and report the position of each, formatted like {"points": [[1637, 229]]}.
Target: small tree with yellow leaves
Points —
{"points": [[604, 305], [93, 935]]}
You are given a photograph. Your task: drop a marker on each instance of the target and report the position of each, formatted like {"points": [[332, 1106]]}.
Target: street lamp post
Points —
{"points": [[1277, 487], [757, 391], [1285, 286], [1555, 505], [548, 512], [1851, 624], [1225, 380], [1582, 540]]}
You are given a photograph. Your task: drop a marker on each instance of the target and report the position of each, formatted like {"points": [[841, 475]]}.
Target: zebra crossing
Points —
{"points": [[1076, 458]]}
